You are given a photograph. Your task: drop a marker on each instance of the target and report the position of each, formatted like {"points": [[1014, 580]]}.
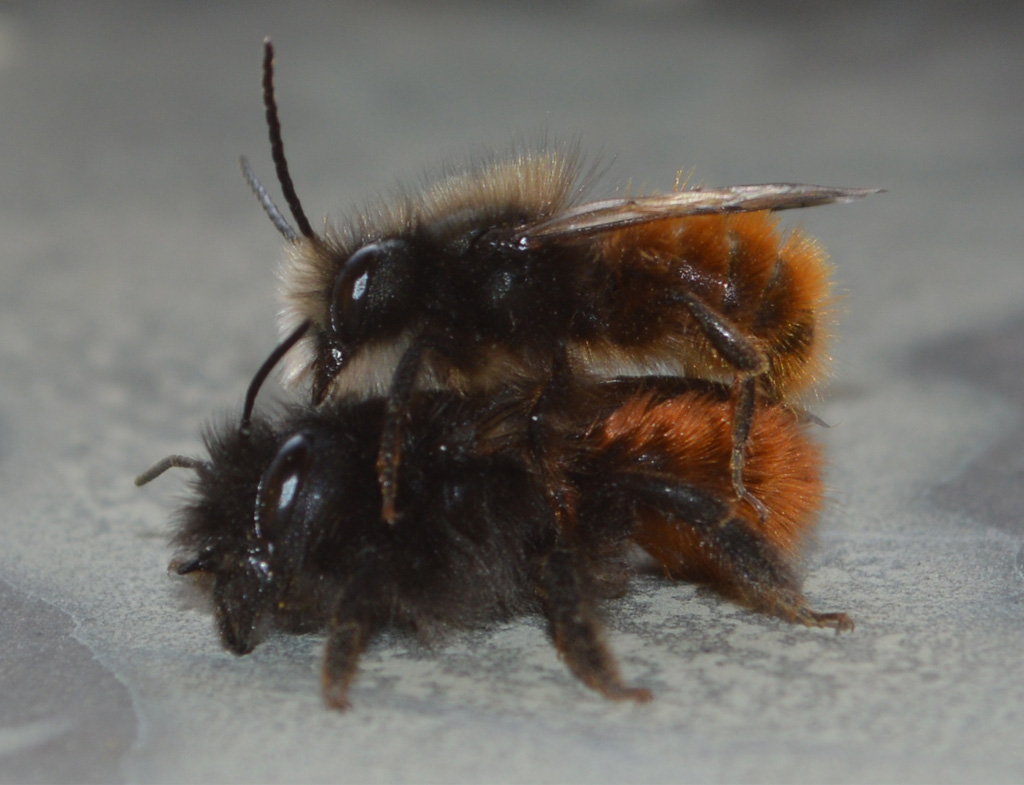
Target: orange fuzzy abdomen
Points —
{"points": [[776, 290], [689, 439]]}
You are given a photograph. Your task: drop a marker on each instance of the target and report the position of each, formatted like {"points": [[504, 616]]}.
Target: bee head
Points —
{"points": [[245, 526], [372, 297]]}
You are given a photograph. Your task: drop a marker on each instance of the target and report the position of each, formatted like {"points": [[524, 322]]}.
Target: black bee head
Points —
{"points": [[372, 299], [247, 524]]}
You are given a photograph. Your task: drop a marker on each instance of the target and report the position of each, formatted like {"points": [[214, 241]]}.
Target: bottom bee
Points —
{"points": [[285, 519]]}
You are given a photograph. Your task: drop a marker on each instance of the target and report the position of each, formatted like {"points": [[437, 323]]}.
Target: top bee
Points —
{"points": [[500, 273]]}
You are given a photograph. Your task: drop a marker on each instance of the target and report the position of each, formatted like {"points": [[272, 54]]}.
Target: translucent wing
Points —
{"points": [[597, 217]]}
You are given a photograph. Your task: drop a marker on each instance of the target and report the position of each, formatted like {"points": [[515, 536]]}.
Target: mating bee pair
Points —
{"points": [[511, 388]]}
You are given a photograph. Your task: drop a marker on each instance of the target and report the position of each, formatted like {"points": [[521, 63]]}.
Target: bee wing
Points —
{"points": [[603, 216]]}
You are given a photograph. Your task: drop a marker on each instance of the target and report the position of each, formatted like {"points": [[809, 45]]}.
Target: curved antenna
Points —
{"points": [[266, 368], [204, 467], [277, 144], [279, 221], [172, 462]]}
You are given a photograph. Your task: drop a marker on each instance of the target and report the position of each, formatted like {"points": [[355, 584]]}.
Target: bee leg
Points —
{"points": [[741, 351], [748, 566], [576, 630], [344, 645], [763, 579], [389, 456], [348, 630], [737, 348], [744, 390], [551, 396]]}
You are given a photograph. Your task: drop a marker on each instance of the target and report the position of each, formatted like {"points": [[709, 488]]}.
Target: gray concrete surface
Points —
{"points": [[136, 299]]}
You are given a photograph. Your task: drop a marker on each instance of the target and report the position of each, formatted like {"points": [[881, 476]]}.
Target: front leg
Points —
{"points": [[345, 643], [389, 457], [348, 631]]}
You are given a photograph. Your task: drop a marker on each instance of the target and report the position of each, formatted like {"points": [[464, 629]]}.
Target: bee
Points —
{"points": [[501, 272], [284, 516]]}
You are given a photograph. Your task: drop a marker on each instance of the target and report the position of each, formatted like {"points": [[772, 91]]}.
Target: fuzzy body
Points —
{"points": [[462, 274], [285, 518], [663, 463], [463, 551]]}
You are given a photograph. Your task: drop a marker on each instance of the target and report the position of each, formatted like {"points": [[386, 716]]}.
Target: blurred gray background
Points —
{"points": [[137, 298]]}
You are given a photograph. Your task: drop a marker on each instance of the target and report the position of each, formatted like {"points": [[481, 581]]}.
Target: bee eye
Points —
{"points": [[370, 287], [281, 484]]}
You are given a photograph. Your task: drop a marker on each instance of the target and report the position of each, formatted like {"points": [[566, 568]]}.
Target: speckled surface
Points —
{"points": [[137, 298]]}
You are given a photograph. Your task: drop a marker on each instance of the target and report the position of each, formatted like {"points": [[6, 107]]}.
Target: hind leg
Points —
{"points": [[693, 532], [667, 466], [762, 577]]}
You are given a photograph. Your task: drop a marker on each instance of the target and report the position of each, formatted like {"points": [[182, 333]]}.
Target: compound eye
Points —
{"points": [[365, 288], [281, 484]]}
